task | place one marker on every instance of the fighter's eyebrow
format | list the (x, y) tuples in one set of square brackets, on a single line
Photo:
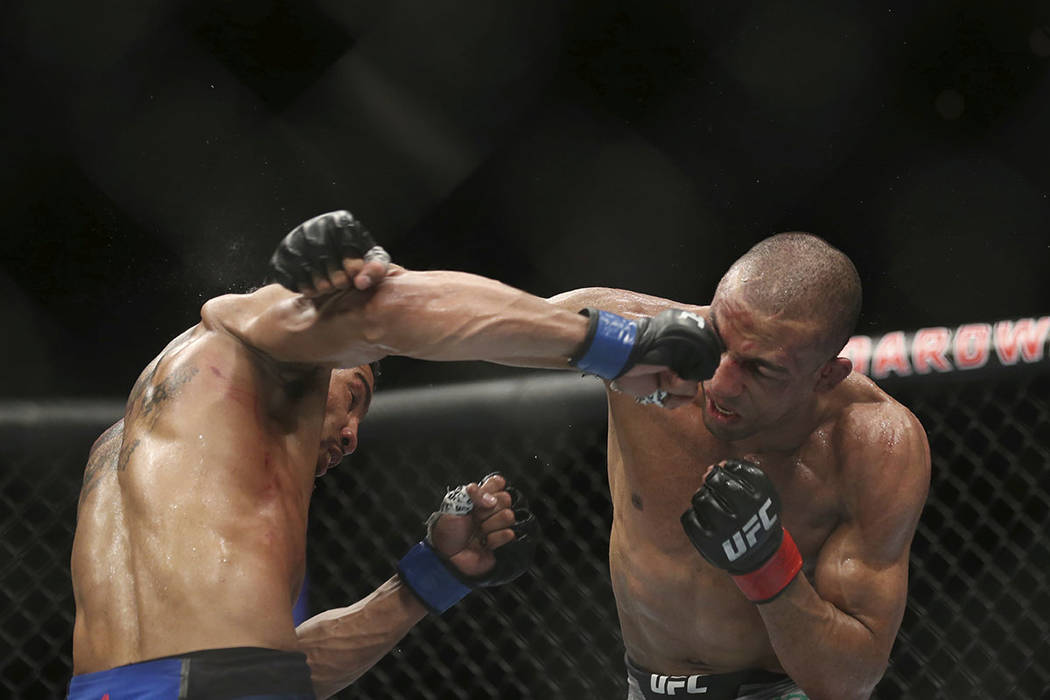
[(771, 366), (368, 392)]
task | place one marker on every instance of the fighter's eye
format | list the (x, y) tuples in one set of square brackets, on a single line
[(760, 371)]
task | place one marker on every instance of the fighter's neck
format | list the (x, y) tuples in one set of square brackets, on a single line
[(788, 436)]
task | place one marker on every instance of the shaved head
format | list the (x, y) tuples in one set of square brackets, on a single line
[(800, 276)]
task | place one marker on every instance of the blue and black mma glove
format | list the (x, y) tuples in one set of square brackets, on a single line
[(318, 246), (437, 582), (680, 340)]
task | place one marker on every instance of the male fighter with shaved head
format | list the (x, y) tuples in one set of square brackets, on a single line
[(811, 481), (191, 530)]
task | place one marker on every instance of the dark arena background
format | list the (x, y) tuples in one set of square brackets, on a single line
[(154, 152)]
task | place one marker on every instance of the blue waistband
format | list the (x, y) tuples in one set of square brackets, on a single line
[(154, 680), (236, 672)]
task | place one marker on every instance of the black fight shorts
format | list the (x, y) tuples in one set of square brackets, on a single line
[(753, 684), (240, 673)]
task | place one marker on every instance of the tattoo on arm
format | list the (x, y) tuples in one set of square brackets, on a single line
[(104, 455), (111, 453), (125, 455), (147, 394), (147, 400)]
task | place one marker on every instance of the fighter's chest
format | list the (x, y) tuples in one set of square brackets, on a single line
[(653, 483)]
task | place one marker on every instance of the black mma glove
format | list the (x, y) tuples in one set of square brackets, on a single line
[(680, 340), (734, 522), (438, 583), (315, 247)]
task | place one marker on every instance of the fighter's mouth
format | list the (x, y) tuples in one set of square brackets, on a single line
[(719, 410)]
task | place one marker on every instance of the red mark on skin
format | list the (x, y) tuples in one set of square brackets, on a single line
[(244, 397)]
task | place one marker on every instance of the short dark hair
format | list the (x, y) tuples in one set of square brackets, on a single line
[(804, 276)]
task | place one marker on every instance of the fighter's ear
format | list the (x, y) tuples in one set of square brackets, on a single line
[(833, 372)]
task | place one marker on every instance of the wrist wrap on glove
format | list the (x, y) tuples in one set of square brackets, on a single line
[(734, 522), (430, 578), (767, 581), (607, 347), (680, 340)]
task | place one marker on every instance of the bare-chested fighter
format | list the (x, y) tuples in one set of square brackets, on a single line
[(191, 531), (815, 469)]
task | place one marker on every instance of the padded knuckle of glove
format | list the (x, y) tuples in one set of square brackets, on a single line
[(681, 340), (317, 246)]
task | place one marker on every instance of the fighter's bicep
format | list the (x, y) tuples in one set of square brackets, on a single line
[(853, 575), (863, 566)]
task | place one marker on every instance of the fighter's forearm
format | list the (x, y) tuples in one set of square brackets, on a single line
[(343, 643), (829, 653), (445, 315), (427, 315)]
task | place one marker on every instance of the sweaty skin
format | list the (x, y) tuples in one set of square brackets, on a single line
[(850, 464), (192, 519)]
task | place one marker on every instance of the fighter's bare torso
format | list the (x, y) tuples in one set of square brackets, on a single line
[(680, 615), (187, 539)]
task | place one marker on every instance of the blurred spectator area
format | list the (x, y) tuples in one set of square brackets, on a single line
[(153, 152)]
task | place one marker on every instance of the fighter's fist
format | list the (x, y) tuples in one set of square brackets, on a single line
[(682, 340), (734, 522), (679, 340), (328, 252), (493, 543), (482, 535)]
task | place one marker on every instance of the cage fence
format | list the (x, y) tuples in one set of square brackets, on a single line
[(976, 624)]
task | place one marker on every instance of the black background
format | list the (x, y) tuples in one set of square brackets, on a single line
[(154, 152)]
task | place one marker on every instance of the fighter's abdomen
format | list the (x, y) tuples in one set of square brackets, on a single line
[(679, 615)]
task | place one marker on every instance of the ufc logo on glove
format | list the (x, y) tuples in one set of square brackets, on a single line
[(735, 546), (732, 531)]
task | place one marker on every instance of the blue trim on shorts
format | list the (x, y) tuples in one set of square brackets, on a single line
[(245, 673), (148, 680)]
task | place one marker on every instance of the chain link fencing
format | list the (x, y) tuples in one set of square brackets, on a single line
[(976, 625)]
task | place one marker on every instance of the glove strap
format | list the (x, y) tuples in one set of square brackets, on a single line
[(609, 342), (423, 571), (767, 581)]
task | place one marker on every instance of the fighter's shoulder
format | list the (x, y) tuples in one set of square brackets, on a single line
[(869, 423), (621, 301), (882, 451), (110, 435)]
